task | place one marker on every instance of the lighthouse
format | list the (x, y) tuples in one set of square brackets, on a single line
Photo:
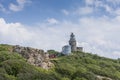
[(72, 42)]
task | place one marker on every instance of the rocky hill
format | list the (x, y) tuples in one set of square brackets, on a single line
[(25, 63), (34, 56)]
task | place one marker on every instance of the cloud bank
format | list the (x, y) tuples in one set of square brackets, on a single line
[(96, 36), (96, 26)]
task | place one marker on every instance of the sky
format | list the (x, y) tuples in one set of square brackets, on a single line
[(47, 24)]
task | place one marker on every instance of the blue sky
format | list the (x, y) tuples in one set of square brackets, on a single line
[(37, 10), (47, 24)]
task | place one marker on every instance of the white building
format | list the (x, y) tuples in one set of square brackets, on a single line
[(66, 50)]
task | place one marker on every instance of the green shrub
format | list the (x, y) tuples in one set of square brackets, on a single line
[(77, 78), (5, 47), (6, 55), (12, 67), (7, 77)]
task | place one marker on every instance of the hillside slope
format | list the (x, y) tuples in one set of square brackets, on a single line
[(86, 66), (78, 66), (14, 66)]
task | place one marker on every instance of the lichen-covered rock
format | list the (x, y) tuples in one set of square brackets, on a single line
[(35, 57)]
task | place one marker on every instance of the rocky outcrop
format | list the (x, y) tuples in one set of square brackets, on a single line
[(103, 78), (35, 57)]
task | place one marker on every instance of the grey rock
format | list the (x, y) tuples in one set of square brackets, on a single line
[(34, 56)]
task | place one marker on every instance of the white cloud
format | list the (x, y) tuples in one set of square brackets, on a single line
[(110, 6), (102, 34), (19, 6), (117, 12), (52, 21), (114, 1), (89, 2), (95, 35), (65, 12), (2, 8), (116, 53), (14, 7), (84, 10), (14, 32)]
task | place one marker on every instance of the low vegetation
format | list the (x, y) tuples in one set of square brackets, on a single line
[(86, 66), (78, 66)]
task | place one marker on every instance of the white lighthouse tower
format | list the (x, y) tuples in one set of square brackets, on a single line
[(72, 42)]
